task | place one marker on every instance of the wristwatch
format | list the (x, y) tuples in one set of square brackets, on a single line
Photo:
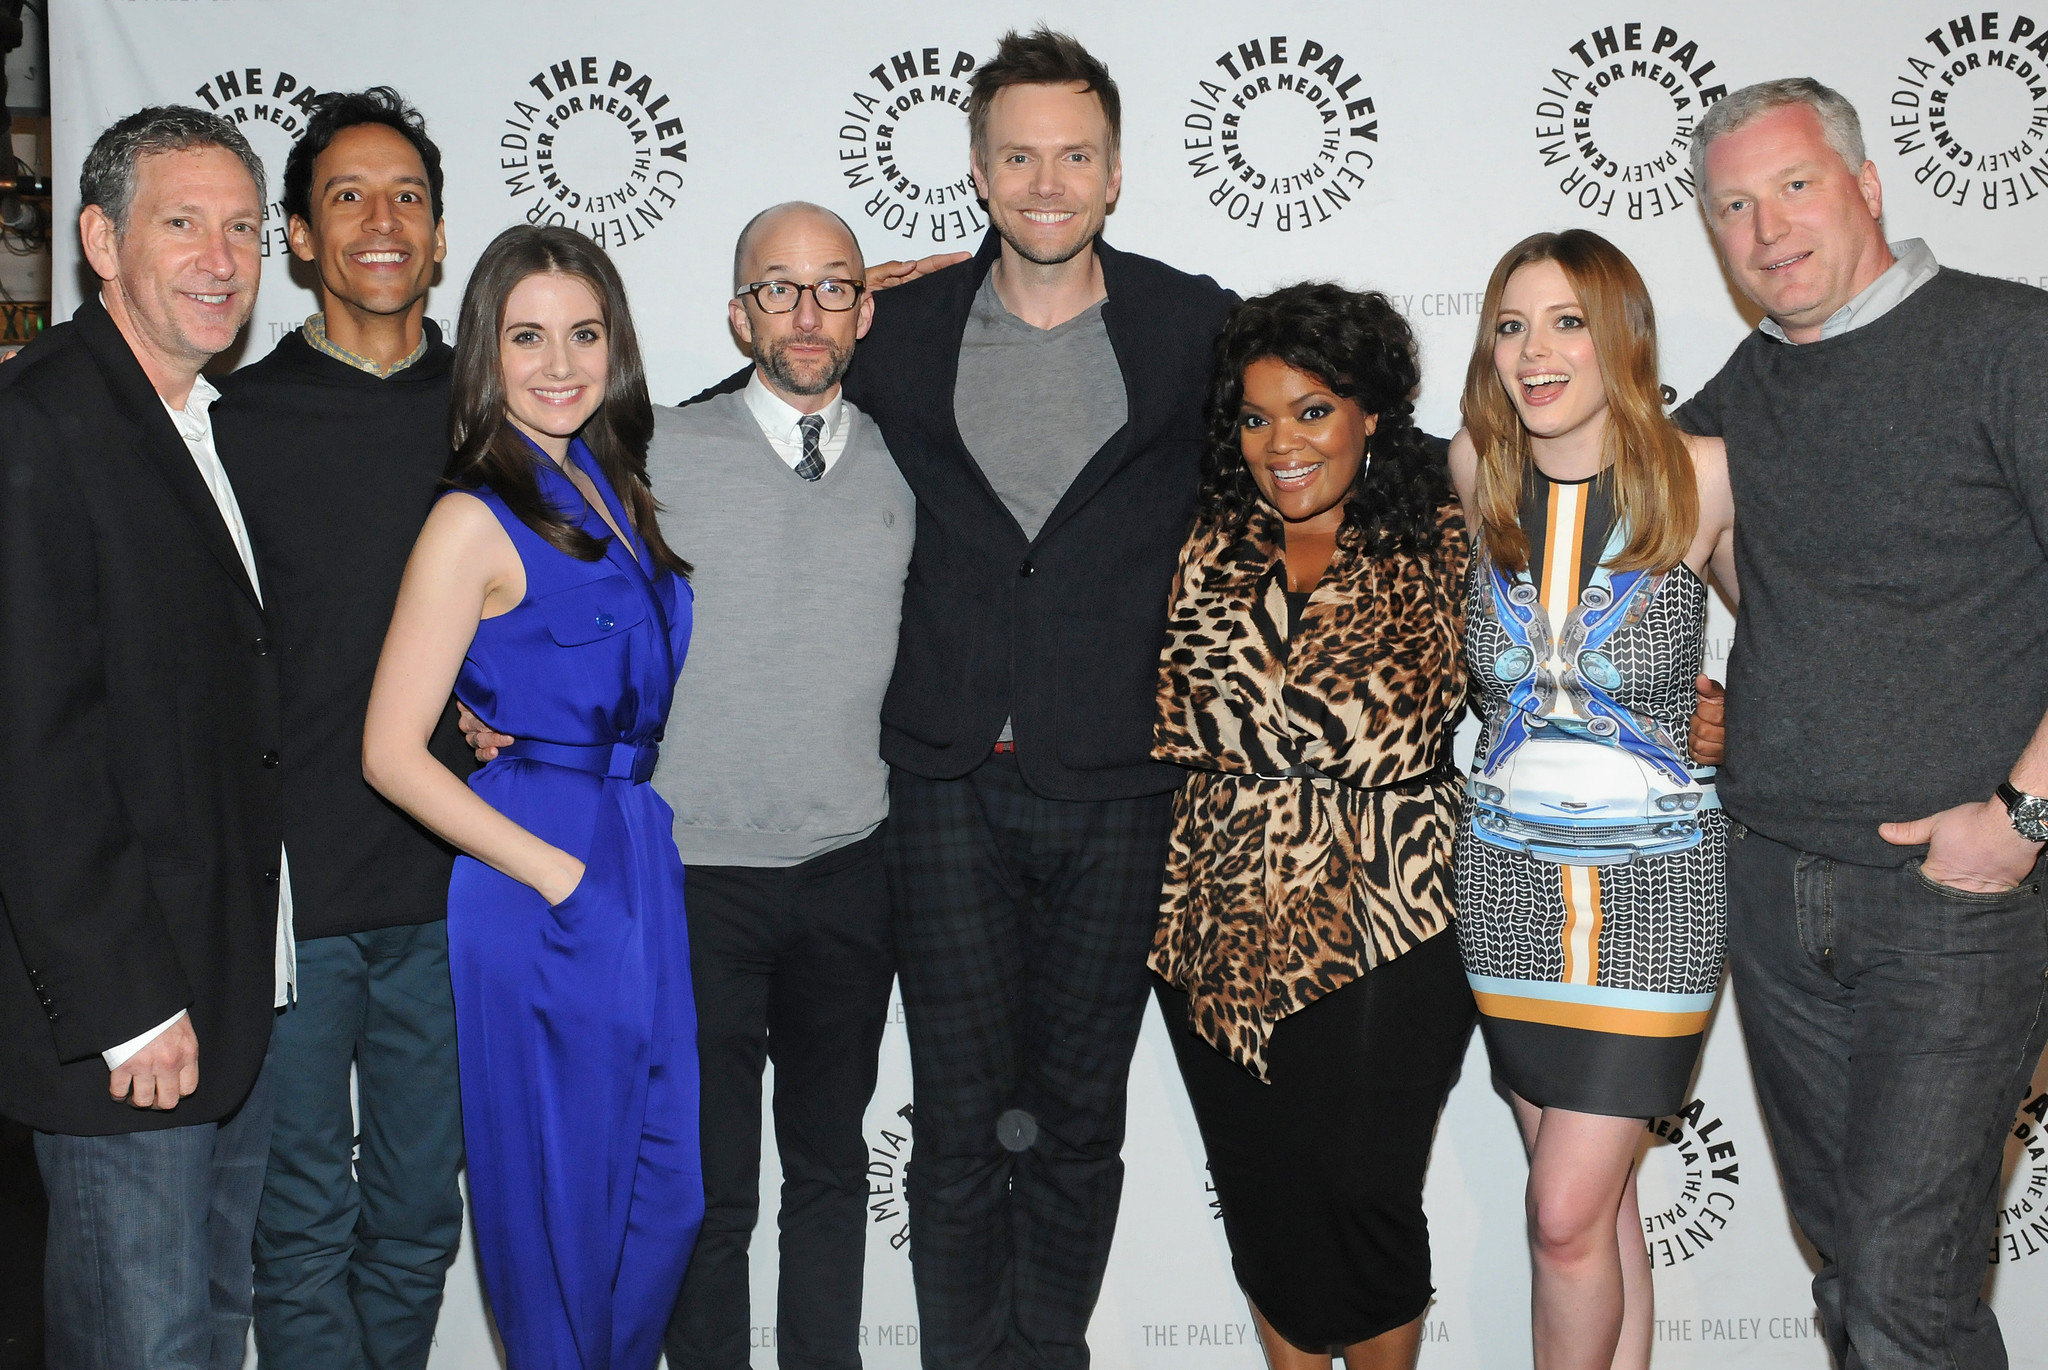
[(2029, 812)]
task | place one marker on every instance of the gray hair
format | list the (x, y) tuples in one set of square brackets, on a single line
[(740, 245), (108, 177), (1838, 121)]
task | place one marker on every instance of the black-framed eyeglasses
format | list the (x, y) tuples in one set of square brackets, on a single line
[(833, 294)]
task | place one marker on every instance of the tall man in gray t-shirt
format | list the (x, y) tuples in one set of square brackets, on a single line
[(1044, 402), (1887, 431)]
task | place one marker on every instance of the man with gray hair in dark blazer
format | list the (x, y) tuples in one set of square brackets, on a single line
[(141, 824)]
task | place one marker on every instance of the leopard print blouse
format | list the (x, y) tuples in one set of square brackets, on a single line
[(1282, 889)]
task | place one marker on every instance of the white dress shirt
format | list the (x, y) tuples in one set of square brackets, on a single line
[(195, 426), (778, 419), (1913, 267)]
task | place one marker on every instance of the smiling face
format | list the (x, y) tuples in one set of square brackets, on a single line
[(1047, 169), (554, 350), (1544, 355), (801, 354), (1801, 232), (181, 278), (1302, 442), (373, 237)]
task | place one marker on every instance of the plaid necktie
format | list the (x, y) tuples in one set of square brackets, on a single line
[(813, 464)]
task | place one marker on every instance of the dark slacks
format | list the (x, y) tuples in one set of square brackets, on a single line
[(1022, 925), (148, 1265), (1893, 1026), (791, 964), (355, 1234)]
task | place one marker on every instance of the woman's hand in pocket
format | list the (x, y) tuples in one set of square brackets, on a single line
[(562, 882)]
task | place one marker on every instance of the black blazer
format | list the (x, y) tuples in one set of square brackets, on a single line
[(1061, 632), (140, 804)]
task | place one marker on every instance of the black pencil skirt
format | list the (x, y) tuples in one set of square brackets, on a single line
[(1319, 1173)]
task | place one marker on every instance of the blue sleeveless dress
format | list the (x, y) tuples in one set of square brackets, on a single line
[(576, 1029)]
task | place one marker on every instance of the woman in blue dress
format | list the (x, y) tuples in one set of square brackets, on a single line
[(542, 594)]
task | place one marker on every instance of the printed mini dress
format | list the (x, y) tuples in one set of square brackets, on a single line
[(1592, 859)]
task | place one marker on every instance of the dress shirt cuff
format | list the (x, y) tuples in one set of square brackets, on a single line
[(118, 1057)]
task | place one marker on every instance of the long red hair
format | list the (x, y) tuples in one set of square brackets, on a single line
[(1646, 462)]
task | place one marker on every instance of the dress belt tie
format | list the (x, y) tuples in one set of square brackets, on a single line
[(615, 760)]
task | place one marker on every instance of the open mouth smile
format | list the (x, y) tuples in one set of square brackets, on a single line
[(1543, 386), (1295, 477)]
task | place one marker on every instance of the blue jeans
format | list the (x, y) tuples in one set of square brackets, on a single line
[(350, 1257), (147, 1266), (1893, 1025)]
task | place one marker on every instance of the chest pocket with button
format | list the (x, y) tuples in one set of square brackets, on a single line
[(595, 611)]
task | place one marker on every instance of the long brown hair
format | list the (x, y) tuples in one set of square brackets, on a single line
[(488, 450), (1645, 460)]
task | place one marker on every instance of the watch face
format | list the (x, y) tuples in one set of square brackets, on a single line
[(2030, 818)]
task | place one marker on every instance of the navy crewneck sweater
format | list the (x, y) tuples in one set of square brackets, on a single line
[(335, 470)]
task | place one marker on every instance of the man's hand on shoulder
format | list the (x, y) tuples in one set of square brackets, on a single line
[(478, 734), (161, 1073), (1970, 847), (1709, 733), (882, 275)]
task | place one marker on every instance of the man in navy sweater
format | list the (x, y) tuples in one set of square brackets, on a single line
[(1887, 430), (337, 441)]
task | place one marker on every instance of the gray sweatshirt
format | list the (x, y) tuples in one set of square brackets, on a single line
[(773, 749)]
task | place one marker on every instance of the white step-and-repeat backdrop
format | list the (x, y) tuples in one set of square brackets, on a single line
[(1402, 147)]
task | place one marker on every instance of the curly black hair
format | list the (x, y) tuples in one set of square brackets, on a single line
[(1358, 345)]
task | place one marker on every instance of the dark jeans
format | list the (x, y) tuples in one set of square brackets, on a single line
[(1893, 1026), (1022, 926), (791, 964), (147, 1266), (350, 1257)]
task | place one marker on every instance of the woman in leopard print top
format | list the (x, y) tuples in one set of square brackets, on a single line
[(1311, 682)]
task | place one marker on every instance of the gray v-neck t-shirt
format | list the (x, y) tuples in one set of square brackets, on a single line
[(1034, 404)]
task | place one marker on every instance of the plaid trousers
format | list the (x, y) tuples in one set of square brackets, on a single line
[(1022, 927)]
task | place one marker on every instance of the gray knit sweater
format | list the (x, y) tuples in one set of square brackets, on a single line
[(1891, 539), (773, 750)]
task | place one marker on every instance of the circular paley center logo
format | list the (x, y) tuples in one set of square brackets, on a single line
[(902, 148), (1616, 114), (2023, 1207), (1969, 113), (594, 145), (270, 107), (1688, 1184), (1283, 137), (888, 1160)]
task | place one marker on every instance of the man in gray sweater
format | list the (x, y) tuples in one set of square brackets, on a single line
[(785, 500), (1887, 431)]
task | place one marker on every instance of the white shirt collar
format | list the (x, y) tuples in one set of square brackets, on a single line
[(194, 423), (1915, 266), (778, 417)]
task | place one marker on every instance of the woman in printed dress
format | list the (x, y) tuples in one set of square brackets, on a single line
[(1591, 888)]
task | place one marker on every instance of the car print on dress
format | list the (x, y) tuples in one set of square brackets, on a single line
[(1570, 774)]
